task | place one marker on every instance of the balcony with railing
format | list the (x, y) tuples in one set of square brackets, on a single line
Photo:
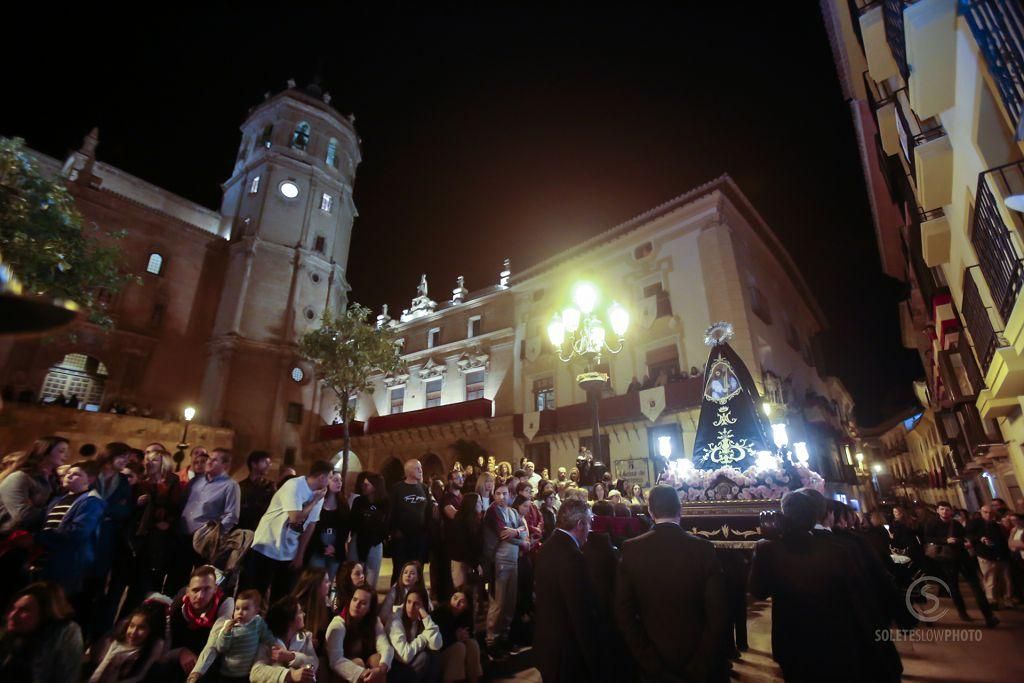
[(927, 152), (998, 28), (995, 235), (978, 318), (892, 13)]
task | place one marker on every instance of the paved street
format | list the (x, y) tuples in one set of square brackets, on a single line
[(981, 661)]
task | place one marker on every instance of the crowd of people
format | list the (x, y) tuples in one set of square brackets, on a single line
[(118, 567)]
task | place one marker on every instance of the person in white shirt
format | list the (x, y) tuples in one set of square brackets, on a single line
[(284, 532), (532, 476)]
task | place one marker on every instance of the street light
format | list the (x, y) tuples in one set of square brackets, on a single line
[(579, 332), (179, 456)]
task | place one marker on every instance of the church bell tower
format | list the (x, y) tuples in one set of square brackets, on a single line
[(288, 212)]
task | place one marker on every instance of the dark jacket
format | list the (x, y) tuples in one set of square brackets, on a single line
[(566, 643), (999, 550), (369, 522), (254, 500), (936, 531), (670, 605), (114, 531), (821, 621), (465, 540)]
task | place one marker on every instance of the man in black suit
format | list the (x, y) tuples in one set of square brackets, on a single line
[(823, 622), (566, 640), (670, 599)]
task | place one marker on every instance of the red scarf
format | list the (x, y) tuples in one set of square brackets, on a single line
[(205, 619)]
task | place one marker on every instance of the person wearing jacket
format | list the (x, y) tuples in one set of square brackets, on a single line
[(292, 657), (358, 648), (416, 639), (71, 530), (40, 641)]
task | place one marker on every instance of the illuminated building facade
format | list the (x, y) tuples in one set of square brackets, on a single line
[(483, 375), (936, 94), (222, 297)]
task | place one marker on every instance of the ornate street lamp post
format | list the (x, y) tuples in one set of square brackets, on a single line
[(579, 332)]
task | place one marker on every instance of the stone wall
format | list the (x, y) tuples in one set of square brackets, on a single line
[(20, 425)]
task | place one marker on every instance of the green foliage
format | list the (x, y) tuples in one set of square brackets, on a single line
[(346, 351), (43, 240)]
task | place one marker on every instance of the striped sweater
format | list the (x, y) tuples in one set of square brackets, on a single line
[(237, 648)]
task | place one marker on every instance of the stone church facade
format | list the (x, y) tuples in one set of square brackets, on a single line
[(223, 296)]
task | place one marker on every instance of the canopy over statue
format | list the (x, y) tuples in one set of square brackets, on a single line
[(730, 430)]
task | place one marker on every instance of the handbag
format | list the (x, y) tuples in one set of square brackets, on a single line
[(940, 552)]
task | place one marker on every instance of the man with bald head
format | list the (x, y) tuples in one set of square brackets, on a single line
[(409, 518)]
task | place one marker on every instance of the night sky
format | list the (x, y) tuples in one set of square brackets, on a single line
[(508, 132)]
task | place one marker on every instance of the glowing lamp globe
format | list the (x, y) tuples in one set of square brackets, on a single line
[(190, 413), (802, 456), (571, 318), (779, 434), (556, 331), (619, 318), (665, 446), (585, 297)]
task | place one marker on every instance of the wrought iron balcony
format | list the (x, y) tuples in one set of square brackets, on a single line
[(878, 94), (998, 28), (993, 240), (979, 322), (895, 35)]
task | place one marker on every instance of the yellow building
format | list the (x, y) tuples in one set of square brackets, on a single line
[(936, 91), (482, 374)]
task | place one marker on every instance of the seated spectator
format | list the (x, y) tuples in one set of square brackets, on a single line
[(358, 649), (40, 642), (193, 615), (416, 639), (599, 492), (410, 577), (313, 594), (351, 575), (292, 656), (460, 654), (137, 645), (236, 642), (71, 530)]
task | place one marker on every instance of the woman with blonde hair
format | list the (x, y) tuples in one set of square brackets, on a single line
[(485, 489)]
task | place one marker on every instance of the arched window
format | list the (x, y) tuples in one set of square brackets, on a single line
[(155, 264), (300, 138), (268, 132), (332, 153)]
